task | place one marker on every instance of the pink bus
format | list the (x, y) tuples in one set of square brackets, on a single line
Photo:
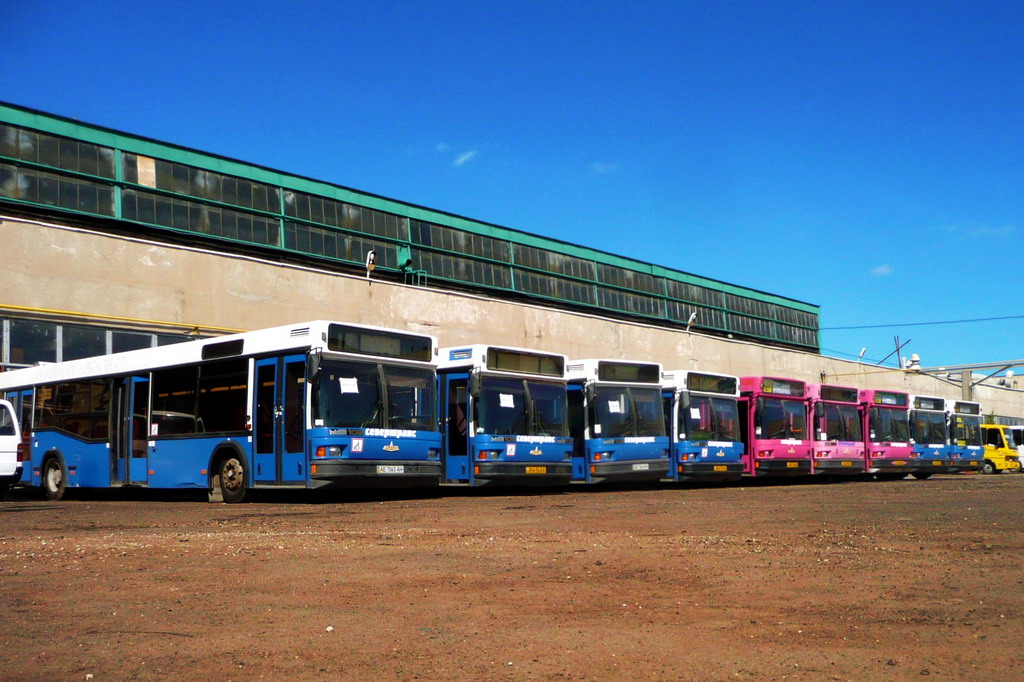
[(773, 418), (836, 428), (890, 454)]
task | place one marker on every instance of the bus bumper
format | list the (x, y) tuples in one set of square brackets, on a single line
[(962, 467), (374, 474), (709, 471), (628, 470), (838, 467), (782, 467), (934, 466), (892, 466), (509, 473)]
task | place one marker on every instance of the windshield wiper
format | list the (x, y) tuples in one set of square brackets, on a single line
[(369, 417)]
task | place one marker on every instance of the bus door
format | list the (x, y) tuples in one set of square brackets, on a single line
[(455, 399), (25, 400), (129, 438), (279, 425)]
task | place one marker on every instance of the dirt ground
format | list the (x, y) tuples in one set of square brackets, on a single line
[(856, 580)]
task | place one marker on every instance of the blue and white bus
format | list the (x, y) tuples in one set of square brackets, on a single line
[(966, 444), (616, 421), (504, 416), (703, 422), (929, 432), (310, 405)]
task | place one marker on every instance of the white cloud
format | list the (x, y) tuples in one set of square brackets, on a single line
[(1004, 231), (602, 168), (464, 158), (441, 147), (882, 270)]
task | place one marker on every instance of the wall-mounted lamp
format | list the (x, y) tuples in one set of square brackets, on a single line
[(371, 263)]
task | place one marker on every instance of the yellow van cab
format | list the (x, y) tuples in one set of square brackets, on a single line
[(1000, 449)]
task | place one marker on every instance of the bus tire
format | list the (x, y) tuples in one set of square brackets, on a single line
[(922, 475), (988, 468), (55, 478), (231, 477)]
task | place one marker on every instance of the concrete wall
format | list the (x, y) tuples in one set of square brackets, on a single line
[(59, 268)]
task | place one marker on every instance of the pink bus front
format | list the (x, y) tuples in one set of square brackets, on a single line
[(889, 452), (836, 427), (773, 414)]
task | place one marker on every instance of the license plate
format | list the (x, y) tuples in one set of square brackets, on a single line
[(845, 463), (938, 464), (792, 465), (642, 466), (898, 463), (390, 468), (536, 470), (721, 467)]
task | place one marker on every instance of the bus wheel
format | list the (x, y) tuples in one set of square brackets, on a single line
[(54, 479), (232, 479), (922, 475), (988, 467)]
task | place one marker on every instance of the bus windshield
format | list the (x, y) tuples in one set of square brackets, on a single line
[(710, 418), (517, 407), (842, 423), (888, 425), (362, 394), (967, 430), (929, 428), (618, 412), (779, 419)]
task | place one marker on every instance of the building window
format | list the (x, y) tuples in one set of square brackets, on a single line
[(32, 342), (82, 342)]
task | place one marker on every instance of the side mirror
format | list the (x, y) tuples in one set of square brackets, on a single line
[(313, 366), (474, 384)]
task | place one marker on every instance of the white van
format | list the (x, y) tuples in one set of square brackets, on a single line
[(1018, 438), (10, 439)]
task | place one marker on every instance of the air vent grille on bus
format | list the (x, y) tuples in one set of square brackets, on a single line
[(301, 331), (575, 368)]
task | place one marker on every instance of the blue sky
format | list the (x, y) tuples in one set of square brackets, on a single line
[(863, 156)]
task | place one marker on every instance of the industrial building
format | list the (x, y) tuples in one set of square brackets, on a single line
[(112, 241)]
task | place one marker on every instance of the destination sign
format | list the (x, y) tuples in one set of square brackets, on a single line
[(634, 372)]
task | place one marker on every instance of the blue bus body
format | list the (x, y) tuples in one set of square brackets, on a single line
[(966, 448), (504, 417), (313, 406), (616, 421), (929, 431), (703, 424)]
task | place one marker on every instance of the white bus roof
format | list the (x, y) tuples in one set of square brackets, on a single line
[(475, 356), (676, 379), (588, 370), (937, 400), (951, 405), (299, 336)]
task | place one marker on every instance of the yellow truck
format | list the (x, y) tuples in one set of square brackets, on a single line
[(1000, 449)]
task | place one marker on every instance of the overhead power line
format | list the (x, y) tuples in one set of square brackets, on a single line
[(922, 324)]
